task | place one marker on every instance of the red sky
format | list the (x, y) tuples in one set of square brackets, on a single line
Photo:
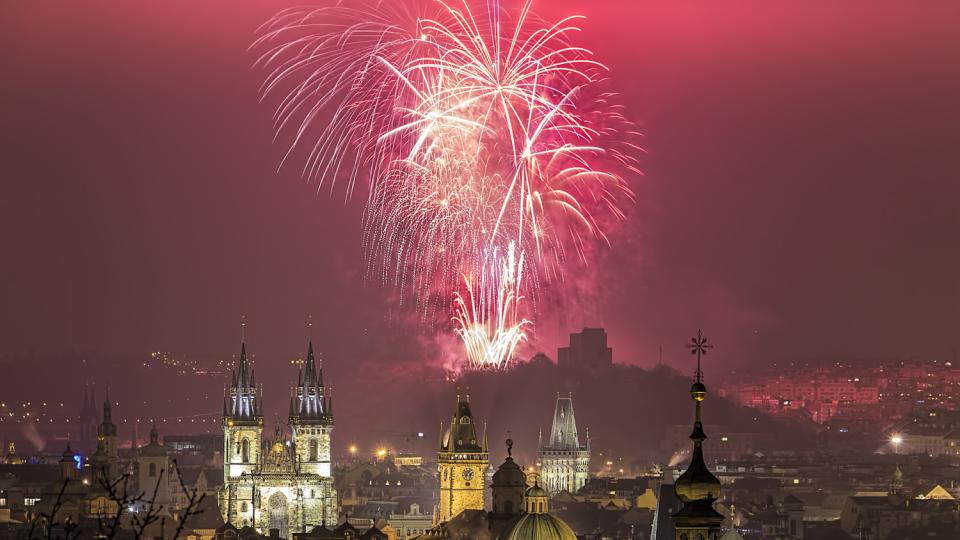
[(800, 197)]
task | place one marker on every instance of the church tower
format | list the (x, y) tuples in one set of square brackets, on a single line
[(242, 422), (563, 463), (311, 419), (697, 488), (507, 492), (153, 474), (462, 461), (104, 459)]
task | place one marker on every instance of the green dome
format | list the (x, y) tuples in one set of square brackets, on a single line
[(536, 491), (538, 527)]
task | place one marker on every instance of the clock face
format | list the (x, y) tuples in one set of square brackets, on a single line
[(468, 474)]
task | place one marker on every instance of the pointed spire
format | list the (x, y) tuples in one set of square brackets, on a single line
[(106, 407), (311, 366), (697, 484), (243, 400)]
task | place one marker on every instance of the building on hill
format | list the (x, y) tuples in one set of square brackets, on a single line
[(587, 350), (563, 463), (462, 461), (277, 483)]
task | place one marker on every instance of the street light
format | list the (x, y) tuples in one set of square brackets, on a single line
[(896, 440)]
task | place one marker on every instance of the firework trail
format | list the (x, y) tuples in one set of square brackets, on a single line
[(481, 135), (487, 317)]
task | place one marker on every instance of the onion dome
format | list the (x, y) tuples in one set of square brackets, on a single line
[(697, 483)]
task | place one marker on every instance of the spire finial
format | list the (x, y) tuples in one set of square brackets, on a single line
[(699, 347), (243, 328), (310, 327)]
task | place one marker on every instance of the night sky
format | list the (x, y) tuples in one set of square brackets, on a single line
[(800, 197)]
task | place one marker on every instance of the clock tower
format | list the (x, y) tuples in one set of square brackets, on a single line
[(463, 460)]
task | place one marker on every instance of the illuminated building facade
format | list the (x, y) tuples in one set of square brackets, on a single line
[(563, 463), (462, 460), (281, 483)]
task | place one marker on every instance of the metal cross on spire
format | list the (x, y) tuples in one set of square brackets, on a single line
[(310, 327), (243, 329), (699, 347)]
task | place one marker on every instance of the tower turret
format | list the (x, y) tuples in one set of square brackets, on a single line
[(563, 462), (242, 421), (311, 421)]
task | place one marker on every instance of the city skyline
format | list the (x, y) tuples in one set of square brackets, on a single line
[(479, 269)]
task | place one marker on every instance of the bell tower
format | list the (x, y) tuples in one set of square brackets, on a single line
[(311, 419), (462, 460), (242, 422)]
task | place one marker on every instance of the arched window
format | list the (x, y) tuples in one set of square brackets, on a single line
[(313, 450), (153, 470), (243, 507), (245, 451)]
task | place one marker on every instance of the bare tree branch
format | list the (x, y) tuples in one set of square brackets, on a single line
[(193, 503)]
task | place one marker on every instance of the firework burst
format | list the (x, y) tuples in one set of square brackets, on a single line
[(480, 134)]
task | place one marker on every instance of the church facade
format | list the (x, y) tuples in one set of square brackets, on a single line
[(563, 463), (278, 482)]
